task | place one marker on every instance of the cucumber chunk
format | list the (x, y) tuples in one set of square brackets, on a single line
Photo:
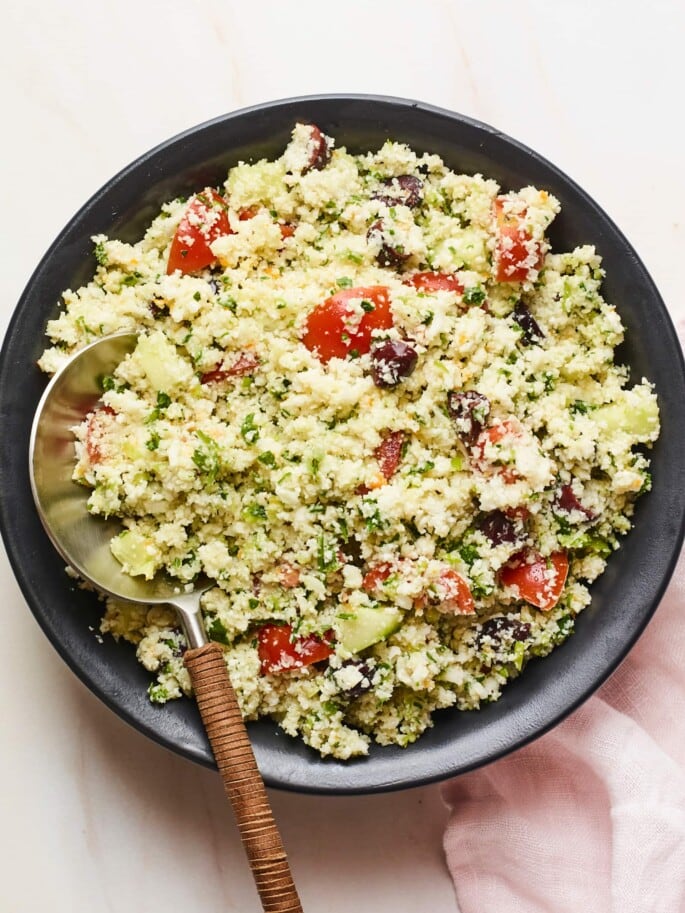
[(367, 626), (258, 183), (636, 414), (136, 553), (161, 363)]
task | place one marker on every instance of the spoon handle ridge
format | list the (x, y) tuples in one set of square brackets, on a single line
[(242, 781)]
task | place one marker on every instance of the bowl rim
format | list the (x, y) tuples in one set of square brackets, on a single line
[(22, 569)]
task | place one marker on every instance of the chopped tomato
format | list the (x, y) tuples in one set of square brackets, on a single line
[(289, 575), (507, 432), (336, 328), (205, 220), (518, 513), (435, 282), (244, 364), (278, 652), (389, 452), (248, 212), (375, 576), (516, 253), (540, 581), (94, 431), (453, 593)]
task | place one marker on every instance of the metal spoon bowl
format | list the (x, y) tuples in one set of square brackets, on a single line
[(84, 542), (81, 539)]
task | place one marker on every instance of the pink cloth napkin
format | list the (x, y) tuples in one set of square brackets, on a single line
[(591, 817)]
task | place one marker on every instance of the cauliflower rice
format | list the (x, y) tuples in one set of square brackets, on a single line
[(371, 404)]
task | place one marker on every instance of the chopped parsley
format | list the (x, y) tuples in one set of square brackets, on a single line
[(101, 254), (474, 295), (248, 430), (163, 403), (207, 458), (267, 458)]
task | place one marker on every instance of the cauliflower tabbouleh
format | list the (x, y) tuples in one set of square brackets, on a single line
[(371, 404)]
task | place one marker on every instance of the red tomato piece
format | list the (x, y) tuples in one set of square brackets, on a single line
[(335, 328), (389, 453), (506, 431), (375, 576), (245, 363), (205, 220), (94, 432), (453, 593), (289, 575), (435, 282), (518, 513), (516, 253), (540, 581), (278, 652), (247, 212)]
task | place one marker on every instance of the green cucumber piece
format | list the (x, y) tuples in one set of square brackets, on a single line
[(636, 414), (161, 363), (136, 553), (367, 626)]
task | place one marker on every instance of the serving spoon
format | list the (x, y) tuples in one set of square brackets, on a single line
[(84, 542)]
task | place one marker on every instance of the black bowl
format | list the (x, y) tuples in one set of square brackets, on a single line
[(623, 599)]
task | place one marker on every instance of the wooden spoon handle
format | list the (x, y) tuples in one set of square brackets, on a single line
[(242, 780)]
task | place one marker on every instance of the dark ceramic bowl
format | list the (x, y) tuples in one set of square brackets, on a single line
[(623, 599)]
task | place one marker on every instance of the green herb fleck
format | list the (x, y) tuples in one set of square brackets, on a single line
[(248, 430), (158, 694), (468, 554), (207, 458), (254, 511), (327, 555), (353, 257), (578, 407), (267, 458), (422, 468), (216, 630), (374, 521), (101, 254), (163, 402), (474, 295)]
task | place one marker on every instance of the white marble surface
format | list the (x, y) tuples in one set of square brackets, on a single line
[(95, 817)]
